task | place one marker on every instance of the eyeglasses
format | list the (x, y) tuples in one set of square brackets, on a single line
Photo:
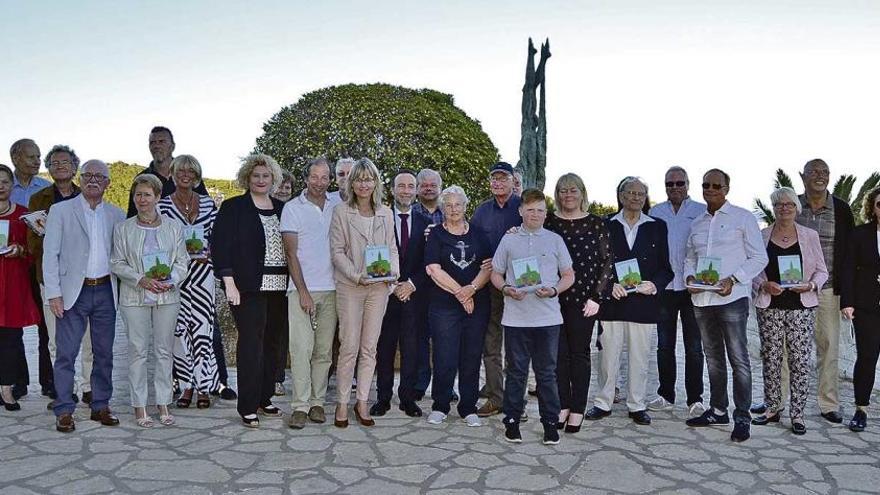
[(634, 194), (678, 183), (93, 177), (783, 206), (62, 162), (500, 180), (716, 187), (818, 173), (364, 180)]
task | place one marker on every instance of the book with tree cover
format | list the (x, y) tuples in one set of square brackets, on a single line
[(708, 274), (377, 262), (196, 244), (36, 221), (4, 237), (526, 274), (791, 272), (628, 274), (157, 266)]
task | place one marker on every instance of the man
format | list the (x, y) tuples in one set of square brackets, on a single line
[(62, 163), (532, 318), (678, 211), (82, 291), (25, 156), (305, 228), (429, 185), (730, 235), (343, 167), (404, 315), (496, 216), (162, 149)]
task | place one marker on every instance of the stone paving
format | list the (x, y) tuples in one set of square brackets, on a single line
[(208, 451)]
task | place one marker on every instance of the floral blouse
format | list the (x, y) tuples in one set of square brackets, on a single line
[(589, 244)]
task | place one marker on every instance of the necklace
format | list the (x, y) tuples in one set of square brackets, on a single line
[(785, 237), (8, 208), (187, 205), (148, 223)]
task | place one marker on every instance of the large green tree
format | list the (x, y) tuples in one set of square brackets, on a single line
[(395, 127)]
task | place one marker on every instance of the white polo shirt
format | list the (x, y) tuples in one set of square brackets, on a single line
[(312, 228)]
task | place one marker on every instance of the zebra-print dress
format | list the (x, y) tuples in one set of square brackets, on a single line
[(195, 365)]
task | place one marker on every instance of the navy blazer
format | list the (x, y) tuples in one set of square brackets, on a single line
[(651, 249), (859, 284), (412, 262)]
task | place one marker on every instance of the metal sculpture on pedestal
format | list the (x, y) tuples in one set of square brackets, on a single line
[(533, 142)]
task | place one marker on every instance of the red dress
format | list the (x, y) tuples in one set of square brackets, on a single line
[(17, 307)]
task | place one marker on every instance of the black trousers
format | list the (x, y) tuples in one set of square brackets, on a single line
[(573, 367), (11, 354), (399, 327), (260, 318), (867, 330), (46, 379), (220, 353)]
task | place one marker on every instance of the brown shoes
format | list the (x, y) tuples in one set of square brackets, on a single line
[(317, 415), (364, 421), (64, 423), (105, 417), (489, 408)]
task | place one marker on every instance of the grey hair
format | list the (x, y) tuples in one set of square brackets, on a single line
[(676, 168), (427, 173), (457, 190), (62, 148), (95, 162), (150, 180), (786, 193), (630, 180), (18, 146), (344, 161)]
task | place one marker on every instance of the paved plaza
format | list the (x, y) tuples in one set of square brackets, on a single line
[(209, 451)]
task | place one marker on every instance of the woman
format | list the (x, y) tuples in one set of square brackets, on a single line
[(588, 241), (17, 308), (283, 193), (640, 243), (149, 257), (787, 315), (195, 365), (860, 300), (360, 222), (457, 260), (249, 258)]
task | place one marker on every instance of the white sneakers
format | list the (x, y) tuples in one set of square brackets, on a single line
[(659, 404), (473, 420), (696, 409), (436, 417)]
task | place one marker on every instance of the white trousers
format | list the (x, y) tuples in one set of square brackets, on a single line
[(143, 323), (638, 341)]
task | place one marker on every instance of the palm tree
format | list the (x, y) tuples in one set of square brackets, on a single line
[(766, 212), (843, 188)]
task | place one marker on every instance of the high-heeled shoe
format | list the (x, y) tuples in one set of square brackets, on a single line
[(563, 419), (339, 423), (9, 404), (363, 421), (571, 427)]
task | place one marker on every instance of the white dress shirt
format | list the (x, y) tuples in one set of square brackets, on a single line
[(99, 257), (678, 224), (312, 228), (733, 236), (631, 232)]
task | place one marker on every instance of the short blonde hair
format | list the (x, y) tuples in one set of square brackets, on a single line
[(572, 180), (786, 193), (186, 162), (362, 167), (150, 180), (248, 163)]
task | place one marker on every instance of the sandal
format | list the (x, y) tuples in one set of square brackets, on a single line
[(166, 419), (185, 399), (145, 422), (203, 401)]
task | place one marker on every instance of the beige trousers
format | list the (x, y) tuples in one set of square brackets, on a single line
[(311, 348), (637, 337), (143, 323), (360, 310), (85, 350)]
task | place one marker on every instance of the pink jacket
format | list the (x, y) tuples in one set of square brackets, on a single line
[(813, 265)]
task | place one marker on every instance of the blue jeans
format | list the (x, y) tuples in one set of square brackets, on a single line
[(540, 346), (723, 329), (458, 347), (94, 307), (673, 303)]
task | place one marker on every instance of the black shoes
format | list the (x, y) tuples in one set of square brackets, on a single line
[(859, 421), (764, 419), (19, 391), (411, 409), (49, 392), (798, 427), (640, 417), (511, 431), (380, 408), (227, 393), (740, 432), (596, 413), (709, 418), (759, 408), (833, 417), (551, 434)]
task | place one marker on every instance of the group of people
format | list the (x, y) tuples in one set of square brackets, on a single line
[(510, 285)]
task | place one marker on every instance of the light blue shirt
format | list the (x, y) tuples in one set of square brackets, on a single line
[(678, 224), (22, 195)]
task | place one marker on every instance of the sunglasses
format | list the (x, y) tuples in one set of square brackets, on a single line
[(678, 183), (716, 187)]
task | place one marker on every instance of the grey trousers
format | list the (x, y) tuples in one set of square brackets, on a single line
[(143, 323)]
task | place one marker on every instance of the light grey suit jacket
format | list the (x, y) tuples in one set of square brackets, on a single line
[(64, 268)]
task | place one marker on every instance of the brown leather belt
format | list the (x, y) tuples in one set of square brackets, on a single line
[(97, 281)]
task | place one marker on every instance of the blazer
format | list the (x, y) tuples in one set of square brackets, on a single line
[(238, 242), (813, 265), (861, 267), (127, 260), (64, 270), (348, 241), (651, 249), (412, 262), (843, 229), (42, 200)]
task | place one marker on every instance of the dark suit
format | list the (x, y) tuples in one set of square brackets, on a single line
[(402, 321), (860, 289)]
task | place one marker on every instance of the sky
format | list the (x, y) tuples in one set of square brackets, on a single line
[(633, 86)]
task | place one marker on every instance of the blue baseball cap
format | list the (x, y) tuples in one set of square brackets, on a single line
[(502, 167)]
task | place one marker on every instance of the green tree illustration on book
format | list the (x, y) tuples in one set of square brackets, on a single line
[(709, 276), (3, 241), (631, 279), (194, 245), (529, 277), (159, 271), (379, 268), (792, 275)]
